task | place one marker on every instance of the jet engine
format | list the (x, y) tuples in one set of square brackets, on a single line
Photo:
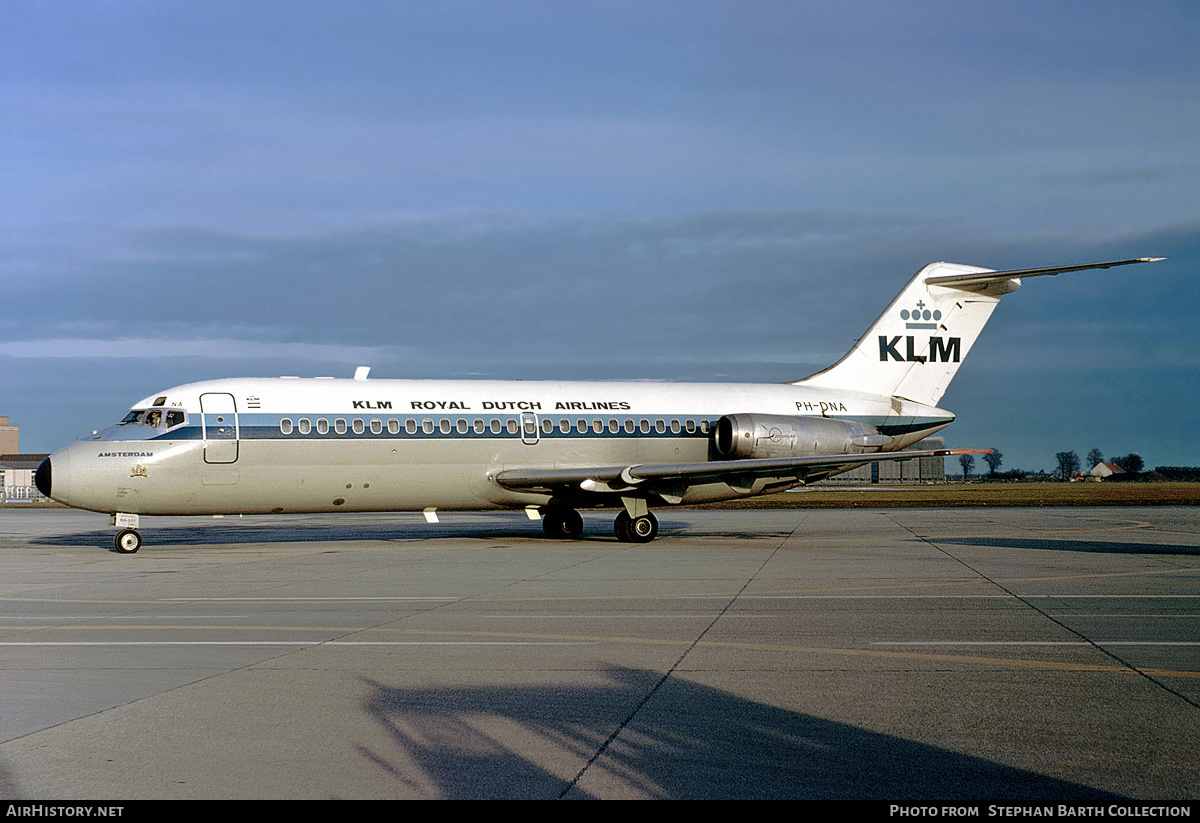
[(770, 435)]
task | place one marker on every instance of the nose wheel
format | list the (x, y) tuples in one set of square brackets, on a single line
[(127, 541)]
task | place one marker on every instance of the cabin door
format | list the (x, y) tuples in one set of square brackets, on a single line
[(219, 421)]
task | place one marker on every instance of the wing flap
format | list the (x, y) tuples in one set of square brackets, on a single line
[(673, 478)]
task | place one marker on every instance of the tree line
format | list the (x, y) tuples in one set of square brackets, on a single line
[(1069, 465)]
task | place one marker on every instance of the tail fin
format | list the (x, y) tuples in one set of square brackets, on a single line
[(916, 346)]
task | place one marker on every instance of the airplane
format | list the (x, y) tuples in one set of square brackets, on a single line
[(293, 445)]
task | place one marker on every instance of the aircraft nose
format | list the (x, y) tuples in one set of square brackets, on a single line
[(41, 477)]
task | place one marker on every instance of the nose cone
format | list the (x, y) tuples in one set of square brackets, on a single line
[(41, 478), (53, 476)]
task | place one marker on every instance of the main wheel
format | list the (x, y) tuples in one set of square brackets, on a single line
[(621, 526), (635, 529), (643, 529), (562, 524), (127, 541)]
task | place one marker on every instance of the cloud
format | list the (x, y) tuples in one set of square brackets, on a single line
[(141, 349)]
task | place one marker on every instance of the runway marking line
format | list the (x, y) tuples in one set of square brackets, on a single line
[(514, 638)]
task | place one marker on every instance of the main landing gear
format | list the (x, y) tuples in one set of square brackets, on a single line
[(641, 529), (560, 523)]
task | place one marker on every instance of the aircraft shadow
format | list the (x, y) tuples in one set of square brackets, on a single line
[(234, 532), (1055, 545), (687, 741)]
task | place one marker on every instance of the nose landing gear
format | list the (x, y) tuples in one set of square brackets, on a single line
[(127, 541)]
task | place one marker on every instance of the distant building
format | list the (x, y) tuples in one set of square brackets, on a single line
[(17, 471), (1103, 470), (922, 470), (9, 437)]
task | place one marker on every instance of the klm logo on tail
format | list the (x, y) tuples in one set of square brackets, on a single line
[(940, 351)]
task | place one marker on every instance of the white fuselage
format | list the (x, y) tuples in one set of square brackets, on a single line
[(324, 444)]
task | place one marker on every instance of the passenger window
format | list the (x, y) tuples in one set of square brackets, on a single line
[(410, 426), (427, 426), (598, 426), (376, 426), (547, 425), (613, 425), (628, 426), (512, 426), (358, 426), (285, 426), (644, 426), (461, 426), (674, 427), (339, 426), (393, 426), (304, 426), (322, 426), (660, 427), (444, 426), (689, 426), (581, 426), (495, 426), (479, 427)]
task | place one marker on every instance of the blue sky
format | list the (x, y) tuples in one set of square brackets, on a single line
[(605, 190)]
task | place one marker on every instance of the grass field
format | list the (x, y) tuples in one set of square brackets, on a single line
[(979, 494)]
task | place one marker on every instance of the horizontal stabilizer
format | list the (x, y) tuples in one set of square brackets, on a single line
[(983, 278)]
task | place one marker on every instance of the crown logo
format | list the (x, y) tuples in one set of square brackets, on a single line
[(920, 317)]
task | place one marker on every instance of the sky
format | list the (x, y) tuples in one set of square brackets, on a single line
[(650, 190)]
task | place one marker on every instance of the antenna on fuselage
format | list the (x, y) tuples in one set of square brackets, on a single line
[(361, 372)]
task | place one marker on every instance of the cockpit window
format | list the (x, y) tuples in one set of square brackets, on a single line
[(156, 418)]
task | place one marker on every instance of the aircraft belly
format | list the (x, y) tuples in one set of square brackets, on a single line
[(400, 475)]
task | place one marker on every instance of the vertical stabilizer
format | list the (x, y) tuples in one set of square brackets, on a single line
[(915, 347)]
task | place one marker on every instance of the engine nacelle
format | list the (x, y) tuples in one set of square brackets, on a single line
[(771, 435)]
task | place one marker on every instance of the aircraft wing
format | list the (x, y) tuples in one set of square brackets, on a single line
[(670, 480)]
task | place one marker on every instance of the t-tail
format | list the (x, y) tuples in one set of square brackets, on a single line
[(913, 350)]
